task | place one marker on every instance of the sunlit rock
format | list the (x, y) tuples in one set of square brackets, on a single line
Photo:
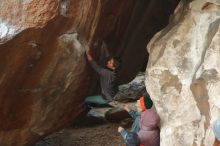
[(183, 74)]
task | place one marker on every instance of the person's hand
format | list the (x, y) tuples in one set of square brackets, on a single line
[(126, 107), (89, 57), (87, 47), (120, 129)]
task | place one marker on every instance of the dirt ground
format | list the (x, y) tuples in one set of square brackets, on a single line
[(98, 135), (88, 131)]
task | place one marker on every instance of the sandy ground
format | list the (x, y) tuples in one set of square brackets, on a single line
[(98, 135), (89, 131)]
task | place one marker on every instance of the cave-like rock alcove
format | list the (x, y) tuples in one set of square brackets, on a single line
[(44, 75)]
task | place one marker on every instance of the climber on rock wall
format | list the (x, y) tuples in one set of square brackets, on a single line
[(108, 79)]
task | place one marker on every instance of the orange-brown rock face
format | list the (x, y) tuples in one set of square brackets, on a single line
[(43, 71)]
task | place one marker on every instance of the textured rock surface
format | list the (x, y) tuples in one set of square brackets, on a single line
[(183, 74), (43, 72)]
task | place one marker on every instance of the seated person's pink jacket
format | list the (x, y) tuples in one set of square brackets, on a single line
[(149, 133)]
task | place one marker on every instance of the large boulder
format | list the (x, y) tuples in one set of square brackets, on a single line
[(43, 71), (183, 74)]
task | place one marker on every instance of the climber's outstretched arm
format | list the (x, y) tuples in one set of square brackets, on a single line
[(92, 63)]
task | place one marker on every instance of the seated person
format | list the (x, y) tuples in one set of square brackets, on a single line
[(142, 104), (146, 126)]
